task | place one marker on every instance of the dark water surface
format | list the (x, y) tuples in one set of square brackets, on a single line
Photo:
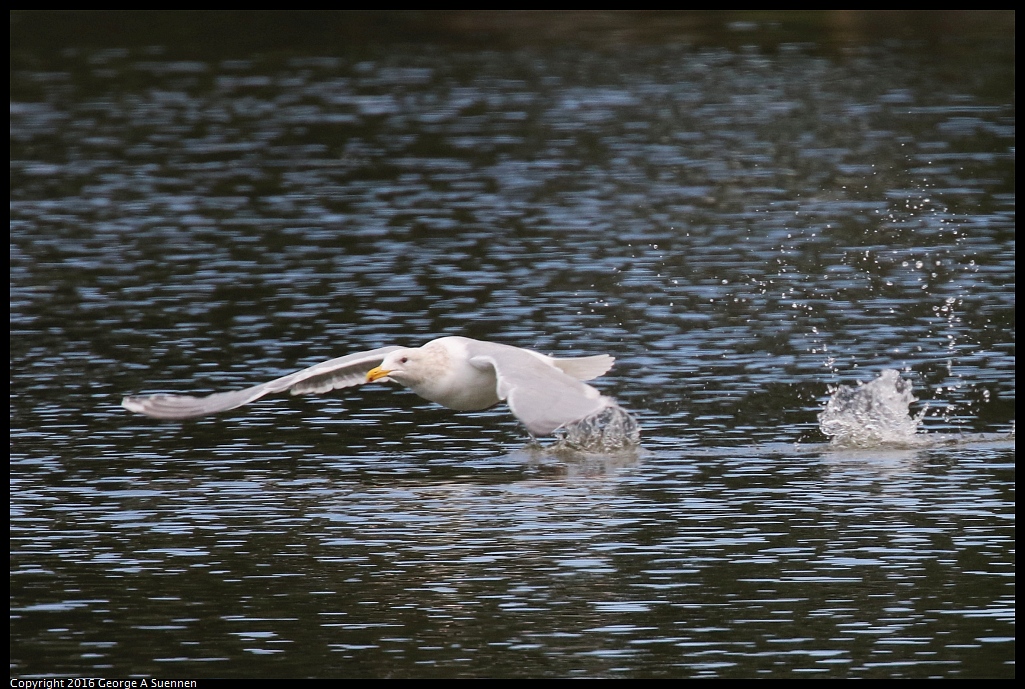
[(742, 217)]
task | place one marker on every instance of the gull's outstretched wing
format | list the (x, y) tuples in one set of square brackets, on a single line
[(540, 394), (343, 372)]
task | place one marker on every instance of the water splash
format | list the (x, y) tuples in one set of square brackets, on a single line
[(872, 414), (612, 429)]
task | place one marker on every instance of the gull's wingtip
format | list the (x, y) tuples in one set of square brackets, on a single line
[(131, 404)]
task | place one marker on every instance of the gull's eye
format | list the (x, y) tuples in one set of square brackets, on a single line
[(403, 359)]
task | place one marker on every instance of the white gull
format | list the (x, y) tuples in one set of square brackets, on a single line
[(543, 392)]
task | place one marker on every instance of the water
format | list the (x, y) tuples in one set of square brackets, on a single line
[(747, 219), (872, 415), (610, 430)]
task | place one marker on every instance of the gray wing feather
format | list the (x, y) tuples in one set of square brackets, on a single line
[(541, 396), (335, 374)]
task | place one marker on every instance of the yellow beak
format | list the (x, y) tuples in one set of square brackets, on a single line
[(376, 374)]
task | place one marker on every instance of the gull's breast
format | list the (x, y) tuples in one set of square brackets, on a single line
[(463, 388), (456, 383)]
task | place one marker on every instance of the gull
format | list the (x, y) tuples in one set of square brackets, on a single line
[(460, 373)]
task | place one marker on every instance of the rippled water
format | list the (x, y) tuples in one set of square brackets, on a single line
[(743, 224)]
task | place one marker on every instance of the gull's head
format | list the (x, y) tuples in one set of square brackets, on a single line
[(408, 366)]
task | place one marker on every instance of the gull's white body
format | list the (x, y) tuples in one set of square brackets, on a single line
[(543, 392)]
